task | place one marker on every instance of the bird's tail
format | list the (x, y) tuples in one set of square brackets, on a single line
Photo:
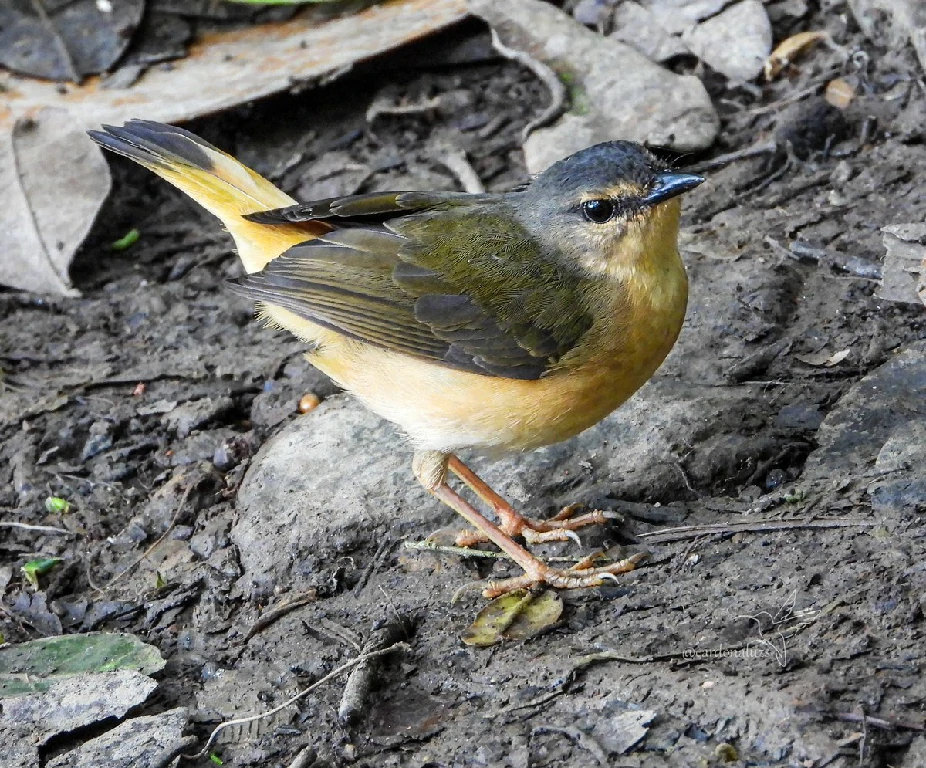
[(216, 181)]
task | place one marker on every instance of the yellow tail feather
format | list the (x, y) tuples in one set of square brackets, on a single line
[(223, 186)]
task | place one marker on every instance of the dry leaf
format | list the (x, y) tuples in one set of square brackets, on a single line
[(66, 41), (789, 50), (53, 180), (515, 616), (824, 358)]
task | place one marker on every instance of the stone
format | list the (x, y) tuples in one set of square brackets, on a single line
[(143, 742), (616, 92), (735, 42)]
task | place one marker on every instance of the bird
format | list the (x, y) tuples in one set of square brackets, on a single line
[(491, 323)]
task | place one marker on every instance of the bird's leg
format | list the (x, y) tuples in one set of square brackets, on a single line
[(430, 468), (560, 527)]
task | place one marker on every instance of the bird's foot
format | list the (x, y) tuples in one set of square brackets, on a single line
[(583, 574), (560, 527)]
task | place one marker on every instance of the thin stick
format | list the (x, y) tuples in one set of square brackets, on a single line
[(546, 75), (456, 161), (293, 699), (469, 552), (279, 611), (143, 555), (762, 148), (461, 551), (36, 528), (683, 532)]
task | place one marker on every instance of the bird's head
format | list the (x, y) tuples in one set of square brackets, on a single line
[(607, 208)]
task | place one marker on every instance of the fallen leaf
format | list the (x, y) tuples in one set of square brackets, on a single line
[(790, 49), (53, 180), (824, 358), (66, 41), (515, 616), (35, 568), (34, 666)]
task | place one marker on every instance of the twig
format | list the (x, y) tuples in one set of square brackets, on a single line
[(683, 532), (279, 611), (455, 161), (876, 722), (143, 555), (304, 759), (37, 528), (797, 96), (762, 148), (449, 550), (293, 699), (361, 679), (798, 251), (546, 75)]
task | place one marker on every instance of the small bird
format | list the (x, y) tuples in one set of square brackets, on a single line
[(496, 322)]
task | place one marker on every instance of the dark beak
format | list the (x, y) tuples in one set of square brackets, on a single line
[(669, 185)]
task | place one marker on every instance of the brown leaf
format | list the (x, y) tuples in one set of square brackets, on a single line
[(790, 49)]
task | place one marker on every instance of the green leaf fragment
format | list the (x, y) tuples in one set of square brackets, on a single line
[(515, 616), (216, 759), (35, 568), (57, 506), (127, 240), (32, 667)]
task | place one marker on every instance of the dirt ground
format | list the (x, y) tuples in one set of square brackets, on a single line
[(791, 417)]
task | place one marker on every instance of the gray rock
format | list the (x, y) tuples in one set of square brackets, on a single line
[(678, 16), (617, 93), (877, 432), (906, 21), (904, 275), (639, 28), (143, 742), (77, 701), (735, 42), (321, 484)]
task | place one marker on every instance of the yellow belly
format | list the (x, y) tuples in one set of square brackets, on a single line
[(446, 410)]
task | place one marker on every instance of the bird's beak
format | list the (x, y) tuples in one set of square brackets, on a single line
[(669, 185)]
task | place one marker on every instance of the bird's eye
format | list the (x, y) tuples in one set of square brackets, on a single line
[(598, 211)]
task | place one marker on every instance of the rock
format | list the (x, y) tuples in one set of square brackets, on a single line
[(735, 42), (142, 742), (904, 276), (78, 701), (321, 484), (617, 93), (678, 16), (639, 28), (877, 431), (916, 754), (624, 730), (905, 21)]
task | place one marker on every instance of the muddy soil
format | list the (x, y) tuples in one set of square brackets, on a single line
[(787, 427)]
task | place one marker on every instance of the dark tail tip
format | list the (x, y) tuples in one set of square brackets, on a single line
[(149, 142)]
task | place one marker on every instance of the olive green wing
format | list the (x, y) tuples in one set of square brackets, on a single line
[(456, 281)]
